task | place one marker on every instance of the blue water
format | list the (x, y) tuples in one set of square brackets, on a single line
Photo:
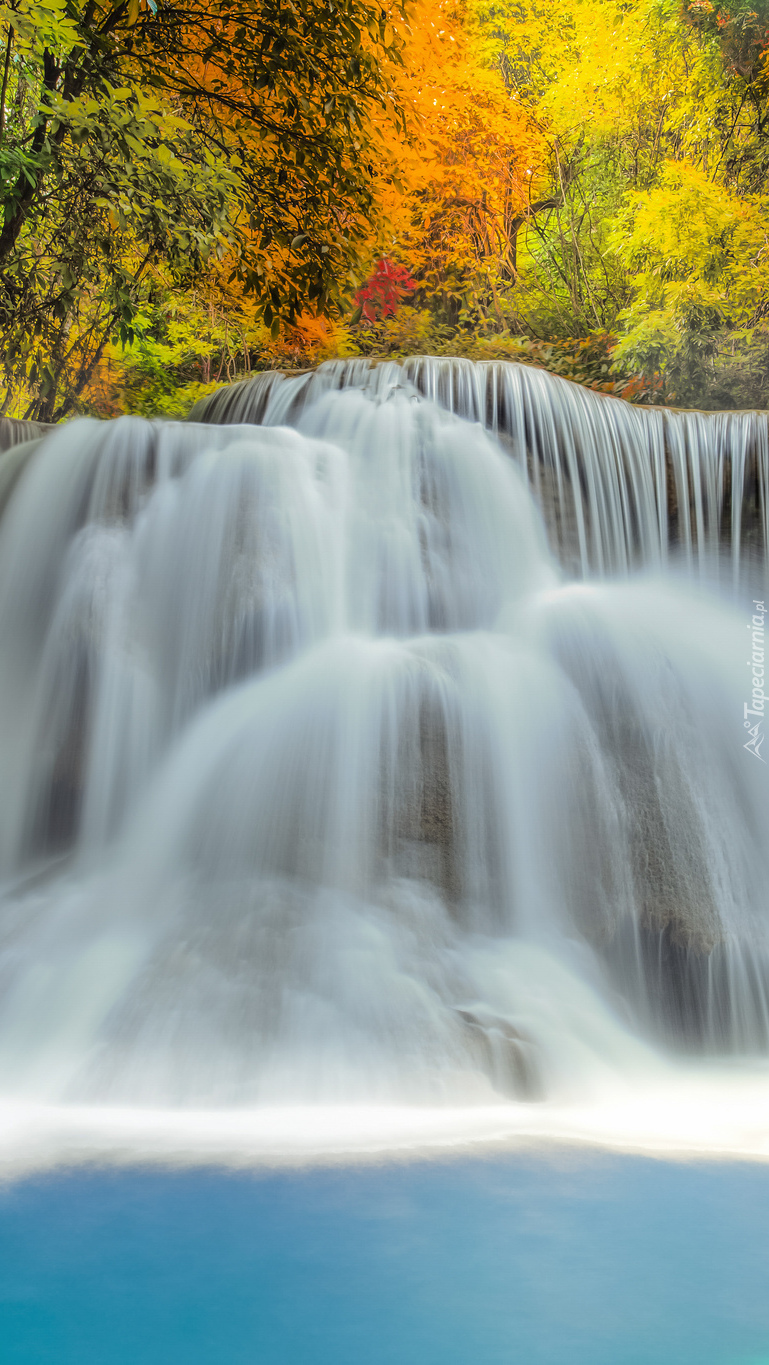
[(515, 1261)]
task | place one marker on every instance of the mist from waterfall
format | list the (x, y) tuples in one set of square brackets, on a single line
[(324, 782)]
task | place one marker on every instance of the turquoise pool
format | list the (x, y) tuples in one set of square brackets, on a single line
[(565, 1260)]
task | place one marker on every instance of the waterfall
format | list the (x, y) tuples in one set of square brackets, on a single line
[(619, 486), (324, 781)]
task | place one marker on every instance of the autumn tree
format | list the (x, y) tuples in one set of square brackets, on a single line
[(655, 116), (137, 136), (454, 191)]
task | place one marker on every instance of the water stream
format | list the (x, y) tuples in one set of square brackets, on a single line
[(361, 761)]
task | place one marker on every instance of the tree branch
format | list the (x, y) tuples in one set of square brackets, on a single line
[(6, 72)]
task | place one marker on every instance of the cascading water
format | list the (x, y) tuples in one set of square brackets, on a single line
[(619, 486), (321, 782)]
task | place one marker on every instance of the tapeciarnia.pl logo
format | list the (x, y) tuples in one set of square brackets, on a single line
[(755, 707)]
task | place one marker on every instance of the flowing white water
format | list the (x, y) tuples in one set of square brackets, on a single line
[(323, 786), (619, 486)]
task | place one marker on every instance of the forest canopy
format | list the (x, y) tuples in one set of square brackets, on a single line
[(192, 192)]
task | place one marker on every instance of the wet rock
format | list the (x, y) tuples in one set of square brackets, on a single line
[(422, 834), (507, 1057)]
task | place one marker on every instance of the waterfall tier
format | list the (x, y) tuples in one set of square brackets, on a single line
[(619, 486)]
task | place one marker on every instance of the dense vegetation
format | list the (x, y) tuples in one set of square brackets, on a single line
[(193, 192), (148, 151)]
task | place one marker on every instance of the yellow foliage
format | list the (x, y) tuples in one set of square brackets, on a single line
[(599, 69), (699, 255)]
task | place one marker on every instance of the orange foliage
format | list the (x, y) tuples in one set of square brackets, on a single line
[(455, 193)]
